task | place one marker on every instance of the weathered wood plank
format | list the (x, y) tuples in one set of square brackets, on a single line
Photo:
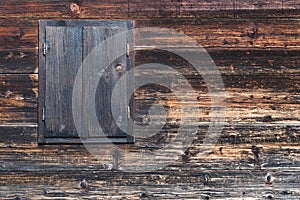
[(184, 7), (250, 98), (229, 174), (124, 8), (235, 140), (18, 38), (162, 185), (21, 61), (18, 98), (243, 61), (232, 134), (247, 30), (22, 134), (229, 33), (235, 62)]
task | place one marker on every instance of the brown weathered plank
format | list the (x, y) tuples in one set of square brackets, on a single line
[(18, 61), (180, 8), (124, 8), (247, 30), (223, 169), (229, 61), (18, 98), (249, 99)]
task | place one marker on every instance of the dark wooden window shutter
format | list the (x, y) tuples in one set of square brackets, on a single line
[(63, 46)]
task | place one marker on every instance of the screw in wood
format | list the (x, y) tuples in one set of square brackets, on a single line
[(269, 179)]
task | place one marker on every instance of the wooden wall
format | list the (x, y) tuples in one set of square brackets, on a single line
[(256, 46)]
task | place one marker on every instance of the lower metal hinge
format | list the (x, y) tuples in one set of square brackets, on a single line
[(43, 114)]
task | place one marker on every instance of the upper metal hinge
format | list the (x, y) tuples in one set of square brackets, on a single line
[(128, 49), (45, 49)]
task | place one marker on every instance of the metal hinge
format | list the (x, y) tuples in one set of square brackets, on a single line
[(128, 49), (43, 114), (45, 48), (128, 112)]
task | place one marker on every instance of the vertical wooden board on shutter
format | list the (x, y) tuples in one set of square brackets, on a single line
[(92, 64), (98, 96), (63, 58)]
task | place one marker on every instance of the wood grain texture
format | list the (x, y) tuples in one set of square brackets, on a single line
[(230, 171), (266, 31), (93, 36), (63, 59), (124, 8), (255, 45)]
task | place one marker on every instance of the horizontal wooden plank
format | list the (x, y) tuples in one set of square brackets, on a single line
[(33, 8), (183, 7), (18, 98), (58, 170), (234, 150), (250, 98), (230, 61), (162, 185), (232, 134), (18, 134), (124, 8), (18, 61), (247, 30)]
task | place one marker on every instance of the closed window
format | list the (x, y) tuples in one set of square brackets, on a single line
[(75, 62)]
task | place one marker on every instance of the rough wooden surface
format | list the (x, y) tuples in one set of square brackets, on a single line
[(257, 53)]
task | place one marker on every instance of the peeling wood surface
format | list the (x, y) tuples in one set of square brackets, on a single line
[(257, 53)]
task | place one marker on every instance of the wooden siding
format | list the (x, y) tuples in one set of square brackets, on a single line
[(256, 46)]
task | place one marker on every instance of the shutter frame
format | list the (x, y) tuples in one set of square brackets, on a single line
[(44, 49)]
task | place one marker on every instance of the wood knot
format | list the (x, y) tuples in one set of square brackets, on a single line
[(221, 150), (267, 118), (75, 9), (21, 35)]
